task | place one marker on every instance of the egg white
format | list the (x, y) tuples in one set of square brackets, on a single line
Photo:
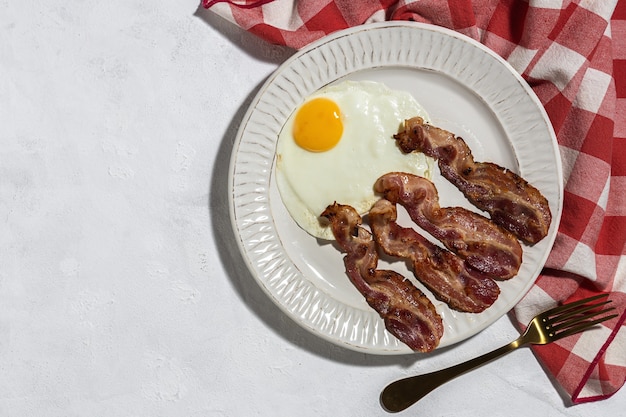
[(309, 181)]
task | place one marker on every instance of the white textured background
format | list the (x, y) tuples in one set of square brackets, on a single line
[(121, 289)]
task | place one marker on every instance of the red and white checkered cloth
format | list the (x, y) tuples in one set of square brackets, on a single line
[(573, 54)]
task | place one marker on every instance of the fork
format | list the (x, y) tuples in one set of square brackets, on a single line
[(544, 328)]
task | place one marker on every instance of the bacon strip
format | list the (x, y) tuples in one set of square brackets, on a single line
[(444, 273), (509, 199), (408, 314), (483, 244)]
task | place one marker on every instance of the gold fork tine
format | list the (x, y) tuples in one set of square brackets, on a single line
[(577, 312), (575, 317), (571, 328)]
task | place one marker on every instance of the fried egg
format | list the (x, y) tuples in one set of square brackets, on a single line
[(337, 143)]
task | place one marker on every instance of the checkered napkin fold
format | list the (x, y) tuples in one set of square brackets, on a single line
[(573, 55)]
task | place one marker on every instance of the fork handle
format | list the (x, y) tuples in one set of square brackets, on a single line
[(403, 393)]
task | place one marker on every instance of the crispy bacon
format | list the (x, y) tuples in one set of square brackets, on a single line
[(508, 198), (483, 244), (408, 314), (444, 273)]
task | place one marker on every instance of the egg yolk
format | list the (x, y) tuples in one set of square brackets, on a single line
[(317, 126)]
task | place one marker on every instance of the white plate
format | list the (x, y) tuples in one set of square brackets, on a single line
[(466, 88)]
